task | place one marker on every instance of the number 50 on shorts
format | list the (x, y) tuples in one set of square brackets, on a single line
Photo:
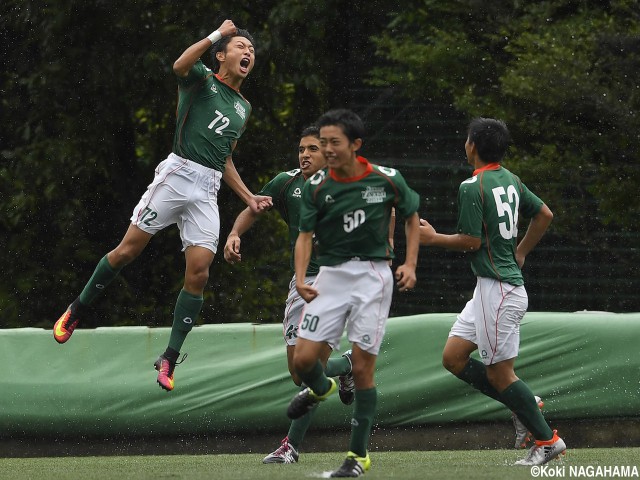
[(309, 322)]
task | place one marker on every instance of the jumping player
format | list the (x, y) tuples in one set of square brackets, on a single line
[(285, 190), (489, 205), (211, 117), (348, 207)]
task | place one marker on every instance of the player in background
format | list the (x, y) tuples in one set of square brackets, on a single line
[(211, 117), (348, 207), (285, 189), (489, 204)]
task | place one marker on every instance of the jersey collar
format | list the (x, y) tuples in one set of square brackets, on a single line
[(225, 83), (367, 171), (488, 166)]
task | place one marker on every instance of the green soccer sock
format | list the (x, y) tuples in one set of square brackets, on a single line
[(520, 399), (475, 374), (316, 380), (362, 421), (337, 367), (299, 426), (186, 313), (102, 276)]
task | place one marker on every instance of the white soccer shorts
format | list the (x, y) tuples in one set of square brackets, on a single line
[(491, 319), (185, 193), (356, 295)]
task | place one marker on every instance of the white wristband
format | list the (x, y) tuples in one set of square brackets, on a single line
[(214, 36)]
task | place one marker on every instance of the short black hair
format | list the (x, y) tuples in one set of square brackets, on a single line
[(350, 123), (310, 131), (491, 138), (221, 46)]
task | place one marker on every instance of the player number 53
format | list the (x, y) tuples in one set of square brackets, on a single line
[(508, 229)]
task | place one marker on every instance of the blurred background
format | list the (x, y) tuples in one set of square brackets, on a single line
[(88, 100)]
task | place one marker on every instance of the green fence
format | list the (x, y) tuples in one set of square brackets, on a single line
[(102, 382)]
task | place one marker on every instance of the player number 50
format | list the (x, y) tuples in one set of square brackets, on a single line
[(353, 220), (508, 229), (310, 322)]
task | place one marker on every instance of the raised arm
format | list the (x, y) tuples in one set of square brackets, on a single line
[(191, 55)]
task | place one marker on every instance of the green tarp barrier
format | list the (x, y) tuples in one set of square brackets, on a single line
[(102, 382)]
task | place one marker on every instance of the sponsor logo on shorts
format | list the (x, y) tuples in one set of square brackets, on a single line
[(366, 339), (240, 110), (484, 354), (374, 195)]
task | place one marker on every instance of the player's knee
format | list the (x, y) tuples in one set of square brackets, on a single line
[(197, 280), (122, 256), (452, 363)]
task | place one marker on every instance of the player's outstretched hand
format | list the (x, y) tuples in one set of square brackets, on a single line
[(307, 292), (227, 28), (232, 249), (406, 277), (427, 232)]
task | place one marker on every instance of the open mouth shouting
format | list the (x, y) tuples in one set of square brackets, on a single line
[(244, 65)]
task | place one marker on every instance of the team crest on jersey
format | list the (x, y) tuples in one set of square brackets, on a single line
[(297, 192), (374, 195), (329, 199), (214, 89), (240, 110)]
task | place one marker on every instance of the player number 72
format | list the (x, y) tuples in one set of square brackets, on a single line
[(219, 117)]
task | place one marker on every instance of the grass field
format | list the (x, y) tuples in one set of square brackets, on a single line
[(440, 465)]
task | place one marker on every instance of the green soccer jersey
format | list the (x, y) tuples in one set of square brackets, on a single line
[(211, 116), (285, 189), (350, 217), (489, 204)]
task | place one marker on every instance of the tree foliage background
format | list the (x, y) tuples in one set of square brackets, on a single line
[(88, 102)]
